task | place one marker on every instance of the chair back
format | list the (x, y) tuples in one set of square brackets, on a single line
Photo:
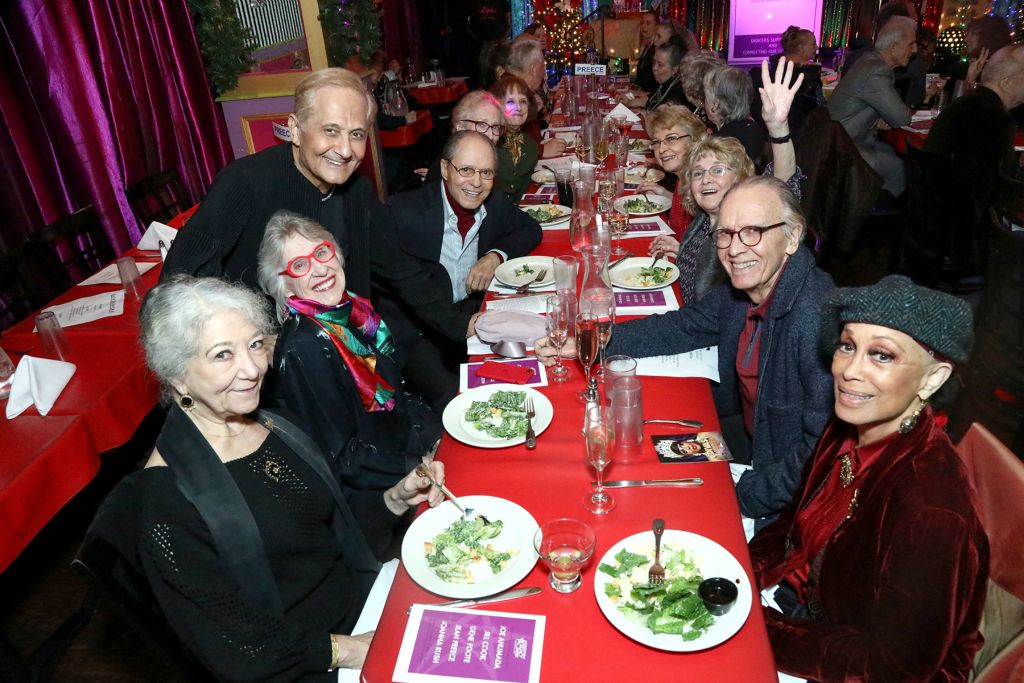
[(940, 246), (28, 280), (998, 479), (76, 242), (157, 198), (123, 588)]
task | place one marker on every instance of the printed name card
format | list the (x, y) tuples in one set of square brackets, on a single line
[(591, 70), (640, 299), (88, 308), (451, 644), (536, 198), (643, 226)]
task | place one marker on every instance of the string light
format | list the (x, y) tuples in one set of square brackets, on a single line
[(566, 30)]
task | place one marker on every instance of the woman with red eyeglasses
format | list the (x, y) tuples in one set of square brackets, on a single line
[(334, 361)]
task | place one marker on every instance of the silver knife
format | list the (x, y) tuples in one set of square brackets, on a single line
[(618, 261), (624, 483), (696, 424), (507, 595)]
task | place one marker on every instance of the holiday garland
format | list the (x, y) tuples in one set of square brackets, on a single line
[(351, 28), (226, 44)]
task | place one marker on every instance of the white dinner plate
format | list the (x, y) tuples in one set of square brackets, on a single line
[(454, 416), (644, 174), (506, 272), (627, 273), (639, 145), (516, 537), (663, 203), (712, 559), (543, 176), (564, 212)]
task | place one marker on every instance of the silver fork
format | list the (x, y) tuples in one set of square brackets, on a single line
[(656, 574), (467, 512), (531, 437), (523, 289)]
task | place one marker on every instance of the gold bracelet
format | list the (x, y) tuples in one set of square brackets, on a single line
[(335, 653)]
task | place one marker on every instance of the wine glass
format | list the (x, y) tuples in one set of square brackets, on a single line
[(599, 433), (601, 144), (604, 310), (559, 308), (565, 545), (585, 142), (605, 190), (587, 344), (618, 222)]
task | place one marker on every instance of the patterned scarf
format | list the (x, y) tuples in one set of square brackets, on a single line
[(513, 142), (341, 323)]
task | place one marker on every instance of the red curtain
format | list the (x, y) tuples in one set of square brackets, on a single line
[(401, 29), (97, 95)]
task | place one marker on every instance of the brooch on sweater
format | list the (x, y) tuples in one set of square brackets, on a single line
[(846, 471)]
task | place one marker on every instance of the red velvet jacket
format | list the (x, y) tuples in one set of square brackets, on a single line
[(901, 583)]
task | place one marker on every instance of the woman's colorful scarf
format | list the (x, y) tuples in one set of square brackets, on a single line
[(513, 142), (355, 314)]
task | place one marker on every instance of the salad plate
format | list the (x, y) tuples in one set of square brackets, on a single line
[(468, 431), (515, 538), (548, 214), (639, 145), (637, 273), (644, 174), (710, 559), (518, 271), (636, 205)]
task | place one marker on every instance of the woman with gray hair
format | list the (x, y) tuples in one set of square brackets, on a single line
[(334, 361), (259, 560), (727, 95)]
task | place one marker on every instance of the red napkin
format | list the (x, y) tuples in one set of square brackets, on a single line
[(505, 372)]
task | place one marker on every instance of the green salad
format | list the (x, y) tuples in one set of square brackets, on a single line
[(544, 215), (650, 276), (502, 415), (673, 607), (524, 269), (638, 145), (456, 551), (641, 205)]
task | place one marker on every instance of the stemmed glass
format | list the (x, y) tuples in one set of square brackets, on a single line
[(587, 344), (559, 310), (617, 224), (565, 545), (601, 143), (605, 190), (585, 142), (599, 433), (604, 309)]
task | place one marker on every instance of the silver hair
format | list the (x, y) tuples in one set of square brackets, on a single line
[(175, 312), (331, 77), (893, 30), (732, 89), (270, 261), (473, 100), (792, 215), (523, 55), (693, 68)]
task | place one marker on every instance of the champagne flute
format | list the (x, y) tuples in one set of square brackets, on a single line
[(587, 344), (599, 434), (601, 146), (617, 223), (604, 310), (558, 309)]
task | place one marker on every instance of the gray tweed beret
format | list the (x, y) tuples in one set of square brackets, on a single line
[(939, 321)]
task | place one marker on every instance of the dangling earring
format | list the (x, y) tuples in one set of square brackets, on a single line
[(186, 402), (908, 423)]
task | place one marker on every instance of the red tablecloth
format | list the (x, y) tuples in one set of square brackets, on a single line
[(550, 482), (406, 135), (47, 460), (900, 138), (453, 89)]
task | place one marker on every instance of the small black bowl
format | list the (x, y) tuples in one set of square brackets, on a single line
[(718, 594)]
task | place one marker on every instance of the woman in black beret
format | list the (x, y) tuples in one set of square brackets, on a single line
[(881, 561)]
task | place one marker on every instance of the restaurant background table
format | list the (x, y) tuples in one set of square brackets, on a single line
[(48, 460), (551, 482), (409, 134), (453, 89)]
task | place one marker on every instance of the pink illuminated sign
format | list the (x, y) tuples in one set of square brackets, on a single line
[(756, 26)]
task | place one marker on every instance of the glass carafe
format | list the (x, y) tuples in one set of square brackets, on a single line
[(597, 300), (583, 222)]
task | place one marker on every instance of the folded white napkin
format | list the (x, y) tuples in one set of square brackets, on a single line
[(622, 110), (110, 276), (37, 381), (154, 234), (494, 326)]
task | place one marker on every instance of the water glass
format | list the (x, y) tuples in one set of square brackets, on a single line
[(53, 342), (939, 102), (566, 267), (564, 547), (616, 367), (563, 181), (627, 415), (620, 179), (129, 274), (588, 174)]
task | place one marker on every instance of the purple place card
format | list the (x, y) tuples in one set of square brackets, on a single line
[(631, 186), (547, 189), (639, 299), (536, 198), (643, 226), (460, 645), (473, 381)]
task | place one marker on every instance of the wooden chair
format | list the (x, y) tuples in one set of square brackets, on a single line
[(116, 583), (998, 478), (157, 198), (28, 280), (76, 243), (940, 248)]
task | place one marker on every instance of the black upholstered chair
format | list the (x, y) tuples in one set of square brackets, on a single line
[(76, 243), (157, 198)]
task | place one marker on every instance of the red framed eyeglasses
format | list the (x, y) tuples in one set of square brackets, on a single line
[(301, 265)]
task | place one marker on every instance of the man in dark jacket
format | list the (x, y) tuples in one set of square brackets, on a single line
[(775, 390)]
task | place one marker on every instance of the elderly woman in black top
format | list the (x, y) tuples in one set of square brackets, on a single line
[(257, 557), (727, 95), (333, 360)]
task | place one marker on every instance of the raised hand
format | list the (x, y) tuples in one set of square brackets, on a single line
[(776, 96), (977, 65)]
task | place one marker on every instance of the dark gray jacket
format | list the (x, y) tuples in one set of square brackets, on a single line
[(794, 393)]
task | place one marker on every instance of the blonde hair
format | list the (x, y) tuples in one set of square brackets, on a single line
[(332, 77), (669, 116), (729, 150)]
